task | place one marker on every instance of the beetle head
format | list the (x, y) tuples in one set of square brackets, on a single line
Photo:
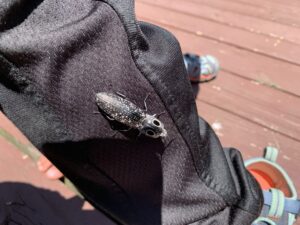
[(153, 127)]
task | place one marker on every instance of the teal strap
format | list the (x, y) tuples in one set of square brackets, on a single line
[(274, 203), (278, 204), (271, 154), (263, 221)]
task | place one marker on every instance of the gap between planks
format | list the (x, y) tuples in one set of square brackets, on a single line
[(274, 14), (255, 25), (251, 138), (247, 64), (254, 102), (270, 47)]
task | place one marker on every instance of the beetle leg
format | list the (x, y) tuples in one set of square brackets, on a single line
[(140, 133), (121, 131), (125, 130), (114, 134), (121, 95), (136, 138), (109, 117), (159, 114)]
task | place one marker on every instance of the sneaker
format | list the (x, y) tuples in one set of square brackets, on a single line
[(281, 206), (201, 68)]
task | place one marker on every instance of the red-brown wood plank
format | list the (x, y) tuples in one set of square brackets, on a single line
[(292, 3), (271, 46), (263, 69), (277, 5), (12, 129), (259, 104), (251, 115), (284, 14), (252, 24), (251, 138)]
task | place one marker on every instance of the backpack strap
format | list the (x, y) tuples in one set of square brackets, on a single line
[(279, 204), (277, 207)]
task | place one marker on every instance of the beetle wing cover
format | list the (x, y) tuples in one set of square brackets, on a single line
[(120, 109)]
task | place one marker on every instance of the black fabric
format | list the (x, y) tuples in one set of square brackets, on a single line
[(58, 54)]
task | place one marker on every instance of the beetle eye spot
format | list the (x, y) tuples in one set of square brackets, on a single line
[(150, 133), (156, 122)]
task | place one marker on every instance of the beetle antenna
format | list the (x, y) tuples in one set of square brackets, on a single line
[(145, 104), (159, 114)]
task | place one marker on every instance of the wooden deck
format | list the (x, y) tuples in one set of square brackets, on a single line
[(255, 100)]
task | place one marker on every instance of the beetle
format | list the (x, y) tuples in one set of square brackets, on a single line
[(117, 107)]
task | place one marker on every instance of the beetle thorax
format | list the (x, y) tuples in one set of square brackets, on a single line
[(153, 127)]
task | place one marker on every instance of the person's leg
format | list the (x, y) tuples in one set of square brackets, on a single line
[(45, 166)]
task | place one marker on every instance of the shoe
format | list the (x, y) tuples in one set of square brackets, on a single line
[(281, 206), (201, 68)]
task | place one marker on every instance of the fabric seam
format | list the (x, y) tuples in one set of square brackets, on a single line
[(205, 176)]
